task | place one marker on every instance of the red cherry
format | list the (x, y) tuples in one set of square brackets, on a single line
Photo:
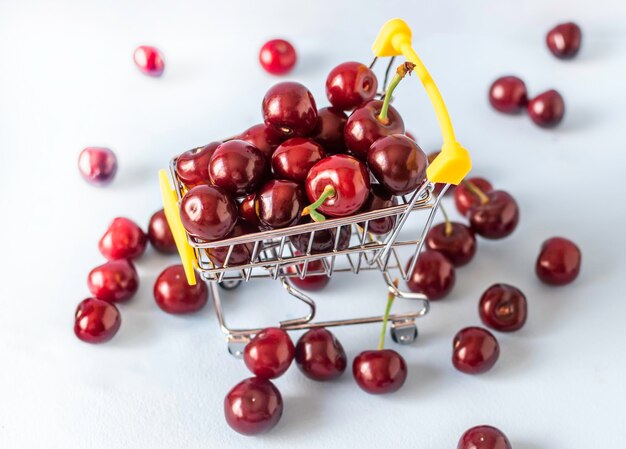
[(323, 240), (114, 281), (484, 437), (173, 294), (97, 165), (329, 129), (96, 321), (208, 213), (279, 203), (464, 197), (379, 372), (503, 307), (508, 94), (241, 254), (238, 168), (277, 56), (160, 234), (123, 240), (263, 138), (363, 127), (289, 109), (547, 109), (149, 60), (320, 356), (497, 218), (558, 262), (454, 240), (192, 167), (564, 40), (247, 211), (474, 350), (350, 84), (294, 158), (270, 353), (438, 186), (253, 406), (379, 198), (311, 282), (432, 276)]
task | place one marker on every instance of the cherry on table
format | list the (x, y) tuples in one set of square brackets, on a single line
[(432, 276), (253, 406), (192, 167), (328, 132), (97, 165), (558, 262), (208, 213), (160, 234), (279, 203), (379, 198), (149, 60), (379, 371), (320, 356), (96, 321), (465, 197), (270, 353), (123, 239), (238, 168), (174, 295), (323, 240), (350, 84), (496, 216), (547, 109), (289, 109), (503, 307), (484, 437), (294, 158), (240, 254), (564, 40), (263, 137), (474, 350), (508, 94), (113, 281), (311, 282), (277, 56), (454, 240)]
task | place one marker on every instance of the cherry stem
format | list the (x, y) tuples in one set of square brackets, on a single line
[(484, 199), (329, 192), (383, 333), (448, 227), (402, 70)]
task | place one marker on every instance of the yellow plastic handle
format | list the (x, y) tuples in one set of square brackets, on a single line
[(170, 207), (453, 163)]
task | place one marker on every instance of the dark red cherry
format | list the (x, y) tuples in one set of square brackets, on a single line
[(363, 127), (379, 372), (248, 212), (208, 213), (329, 129), (149, 60), (379, 198), (474, 350), (294, 158), (113, 281), (277, 56), (270, 353), (558, 262), (160, 234), (320, 356), (495, 219), (263, 138), (123, 240), (508, 94), (241, 254), (464, 197), (96, 321), (503, 307), (323, 240), (439, 186), (398, 163), (174, 295), (454, 240), (311, 282), (564, 40), (238, 168), (253, 406), (98, 165), (432, 276), (279, 203), (547, 109), (350, 84), (289, 109), (484, 437), (192, 167)]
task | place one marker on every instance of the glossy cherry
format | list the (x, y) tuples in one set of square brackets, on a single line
[(270, 353), (149, 60), (564, 40), (253, 406), (263, 137), (474, 350), (323, 240), (503, 307), (192, 167), (208, 213), (320, 356), (238, 168), (508, 94), (123, 240), (96, 321), (329, 129), (240, 254), (379, 371), (289, 109), (363, 127), (465, 197), (454, 240), (379, 198), (484, 437), (113, 281), (558, 262), (294, 158), (432, 276), (547, 109), (311, 282), (350, 84), (496, 217), (160, 234), (248, 212), (97, 165), (279, 203), (277, 56), (174, 295)]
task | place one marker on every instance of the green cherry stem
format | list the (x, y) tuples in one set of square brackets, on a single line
[(329, 192), (390, 298), (402, 71), (484, 199)]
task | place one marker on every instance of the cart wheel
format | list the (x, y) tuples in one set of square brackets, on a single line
[(236, 347), (229, 284), (404, 332)]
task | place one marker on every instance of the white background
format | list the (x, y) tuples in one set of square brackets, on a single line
[(67, 81)]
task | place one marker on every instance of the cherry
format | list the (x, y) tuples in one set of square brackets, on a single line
[(432, 276), (398, 163), (484, 437), (438, 186), (465, 197), (96, 321), (289, 109), (247, 211), (149, 60), (547, 109), (329, 129), (323, 240), (208, 213), (564, 40), (350, 84), (311, 282), (496, 216), (277, 56), (379, 198), (253, 406), (503, 307), (279, 203), (380, 371), (263, 138), (241, 254), (97, 165), (558, 262), (508, 94), (174, 295), (238, 167), (454, 240), (123, 240), (337, 185), (270, 353), (474, 350), (160, 234), (363, 127), (320, 356), (294, 158), (113, 281), (192, 167)]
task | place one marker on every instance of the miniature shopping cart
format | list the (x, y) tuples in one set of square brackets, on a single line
[(274, 256)]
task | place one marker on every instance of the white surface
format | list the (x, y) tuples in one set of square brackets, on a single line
[(67, 81)]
